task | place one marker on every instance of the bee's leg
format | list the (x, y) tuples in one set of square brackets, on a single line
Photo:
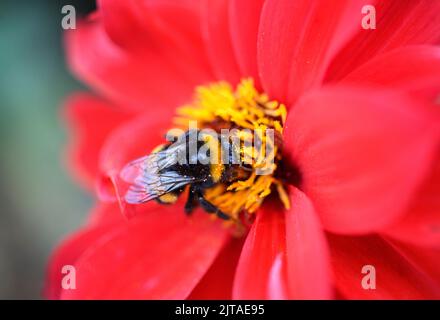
[(209, 207), (189, 204)]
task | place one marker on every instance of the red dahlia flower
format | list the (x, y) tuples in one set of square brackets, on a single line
[(361, 144)]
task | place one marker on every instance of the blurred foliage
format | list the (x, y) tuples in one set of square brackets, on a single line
[(39, 202)]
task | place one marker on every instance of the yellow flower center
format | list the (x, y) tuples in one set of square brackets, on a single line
[(218, 106)]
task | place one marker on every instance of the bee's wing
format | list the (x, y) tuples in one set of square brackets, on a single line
[(148, 180)]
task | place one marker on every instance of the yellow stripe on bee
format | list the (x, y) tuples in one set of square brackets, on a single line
[(217, 171), (217, 167), (169, 198)]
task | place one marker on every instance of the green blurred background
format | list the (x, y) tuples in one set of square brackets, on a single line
[(39, 203)]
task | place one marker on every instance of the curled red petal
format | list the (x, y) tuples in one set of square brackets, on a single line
[(399, 23), (265, 241), (68, 253), (395, 277), (424, 259), (277, 287), (161, 72), (217, 282), (244, 23), (123, 23), (413, 69), (217, 37), (285, 255), (307, 255), (362, 154), (90, 121), (159, 255), (421, 224), (104, 213), (297, 39)]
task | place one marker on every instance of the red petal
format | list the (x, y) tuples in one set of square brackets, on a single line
[(172, 27), (217, 282), (123, 23), (421, 225), (160, 255), (104, 213), (216, 32), (399, 23), (159, 73), (265, 241), (104, 218), (426, 260), (284, 258), (362, 154), (297, 39), (396, 278), (308, 267), (277, 284), (244, 20), (68, 252), (91, 120), (414, 69)]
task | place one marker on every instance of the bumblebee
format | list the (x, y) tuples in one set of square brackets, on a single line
[(169, 170)]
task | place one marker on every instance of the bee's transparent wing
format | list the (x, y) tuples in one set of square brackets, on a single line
[(148, 180)]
